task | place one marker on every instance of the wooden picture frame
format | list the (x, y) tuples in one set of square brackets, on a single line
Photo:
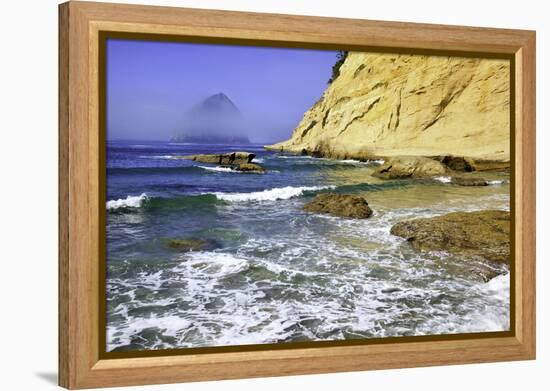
[(81, 363)]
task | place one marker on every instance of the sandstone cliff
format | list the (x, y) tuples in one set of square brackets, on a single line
[(397, 104)]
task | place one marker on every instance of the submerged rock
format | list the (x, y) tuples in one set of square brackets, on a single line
[(191, 244), (468, 181), (250, 167), (343, 205), (483, 234), (222, 158), (410, 167)]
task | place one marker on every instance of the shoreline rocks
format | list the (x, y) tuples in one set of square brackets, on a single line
[(469, 164), (457, 163), (451, 162), (341, 205), (468, 181), (482, 234), (410, 167)]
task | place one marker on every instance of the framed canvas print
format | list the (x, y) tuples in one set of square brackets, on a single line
[(247, 195)]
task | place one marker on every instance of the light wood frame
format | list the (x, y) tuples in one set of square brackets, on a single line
[(80, 24)]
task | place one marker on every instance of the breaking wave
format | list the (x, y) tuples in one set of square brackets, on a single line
[(128, 202), (283, 193)]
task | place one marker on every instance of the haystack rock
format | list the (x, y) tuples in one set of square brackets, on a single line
[(215, 120), (384, 105)]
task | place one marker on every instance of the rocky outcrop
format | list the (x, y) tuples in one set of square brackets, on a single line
[(342, 205), (384, 105), (410, 167), (465, 164), (482, 234), (250, 167), (458, 163), (468, 181), (222, 158)]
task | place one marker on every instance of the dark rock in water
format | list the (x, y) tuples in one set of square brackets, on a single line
[(483, 234), (468, 181), (410, 167), (457, 163), (191, 244), (250, 167), (221, 158), (128, 348), (390, 290), (343, 205)]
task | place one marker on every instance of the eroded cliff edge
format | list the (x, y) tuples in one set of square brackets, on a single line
[(396, 104)]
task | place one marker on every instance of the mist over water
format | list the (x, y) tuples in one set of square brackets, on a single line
[(152, 86), (215, 120)]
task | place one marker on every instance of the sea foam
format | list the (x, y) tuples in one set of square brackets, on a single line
[(219, 169), (128, 202), (282, 193), (443, 179), (447, 179), (351, 161)]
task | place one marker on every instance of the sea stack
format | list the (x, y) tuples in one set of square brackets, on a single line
[(215, 120)]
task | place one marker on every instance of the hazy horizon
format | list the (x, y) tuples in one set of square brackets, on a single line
[(151, 85)]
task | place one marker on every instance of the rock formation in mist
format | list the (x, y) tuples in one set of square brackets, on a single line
[(399, 104), (216, 120)]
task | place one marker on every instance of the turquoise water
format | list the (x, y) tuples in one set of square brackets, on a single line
[(271, 273)]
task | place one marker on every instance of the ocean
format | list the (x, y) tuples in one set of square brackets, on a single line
[(272, 273)]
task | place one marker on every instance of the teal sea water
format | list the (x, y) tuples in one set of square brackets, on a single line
[(272, 273)]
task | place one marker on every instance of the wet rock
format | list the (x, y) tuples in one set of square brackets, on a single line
[(250, 167), (483, 234), (468, 181), (457, 163), (343, 205), (410, 167), (191, 244), (390, 290), (222, 158), (491, 165), (128, 348)]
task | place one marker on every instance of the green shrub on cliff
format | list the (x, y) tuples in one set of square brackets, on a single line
[(340, 58)]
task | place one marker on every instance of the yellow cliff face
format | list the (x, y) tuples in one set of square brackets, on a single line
[(397, 104)]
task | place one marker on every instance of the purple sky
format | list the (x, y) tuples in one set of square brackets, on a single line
[(150, 85)]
